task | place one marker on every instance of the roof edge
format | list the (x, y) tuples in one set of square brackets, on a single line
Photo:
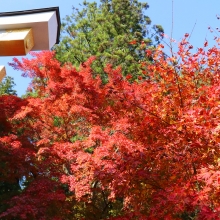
[(34, 11)]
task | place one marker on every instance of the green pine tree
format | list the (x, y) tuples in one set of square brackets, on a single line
[(7, 85), (116, 32)]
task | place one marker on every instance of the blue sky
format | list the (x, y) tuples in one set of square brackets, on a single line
[(188, 16)]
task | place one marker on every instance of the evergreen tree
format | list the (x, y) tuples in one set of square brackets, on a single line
[(115, 32), (6, 86)]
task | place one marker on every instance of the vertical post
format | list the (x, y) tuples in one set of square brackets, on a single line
[(2, 73)]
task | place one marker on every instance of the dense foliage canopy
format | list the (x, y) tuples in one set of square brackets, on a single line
[(141, 150)]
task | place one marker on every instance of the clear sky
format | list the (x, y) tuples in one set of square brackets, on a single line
[(188, 16)]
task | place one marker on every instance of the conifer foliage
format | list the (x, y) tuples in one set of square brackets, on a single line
[(141, 150), (116, 32), (7, 86)]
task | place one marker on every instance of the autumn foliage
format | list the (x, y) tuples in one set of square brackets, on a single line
[(147, 149)]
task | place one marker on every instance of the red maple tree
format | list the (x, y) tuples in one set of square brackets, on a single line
[(123, 150)]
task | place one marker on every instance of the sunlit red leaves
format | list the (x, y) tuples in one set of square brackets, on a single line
[(133, 42), (149, 144)]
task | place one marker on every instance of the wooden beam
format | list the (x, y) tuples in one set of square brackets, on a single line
[(16, 42), (2, 73)]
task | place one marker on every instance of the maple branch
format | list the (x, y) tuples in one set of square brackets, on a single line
[(179, 90), (194, 169), (106, 203), (153, 183), (172, 24), (150, 113), (66, 128), (153, 114), (177, 80)]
